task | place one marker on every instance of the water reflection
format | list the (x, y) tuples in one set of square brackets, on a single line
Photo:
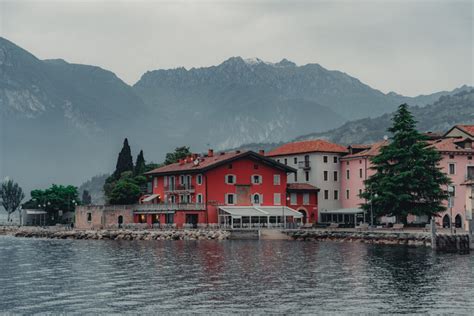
[(230, 276)]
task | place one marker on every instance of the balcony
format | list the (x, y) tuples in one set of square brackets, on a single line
[(179, 188), (305, 165), (170, 207)]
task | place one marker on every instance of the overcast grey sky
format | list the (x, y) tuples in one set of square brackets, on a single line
[(411, 47)]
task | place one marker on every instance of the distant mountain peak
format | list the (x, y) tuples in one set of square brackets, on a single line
[(285, 63)]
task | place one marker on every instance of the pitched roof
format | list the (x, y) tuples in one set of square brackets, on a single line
[(206, 163), (373, 150), (307, 146), (451, 144), (469, 129), (301, 187)]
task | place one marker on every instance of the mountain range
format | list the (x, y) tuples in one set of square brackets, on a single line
[(63, 122)]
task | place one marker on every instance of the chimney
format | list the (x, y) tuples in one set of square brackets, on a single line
[(194, 157), (181, 162), (261, 152), (210, 152), (237, 151)]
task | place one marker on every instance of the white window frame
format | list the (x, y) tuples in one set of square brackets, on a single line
[(277, 198), (260, 199), (259, 177), (449, 168), (199, 179), (276, 179), (305, 198), (336, 192), (199, 198), (227, 198), (293, 198), (233, 175)]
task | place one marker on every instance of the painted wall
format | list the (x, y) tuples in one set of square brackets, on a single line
[(311, 208), (355, 183)]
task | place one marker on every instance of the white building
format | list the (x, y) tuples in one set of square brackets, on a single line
[(318, 163)]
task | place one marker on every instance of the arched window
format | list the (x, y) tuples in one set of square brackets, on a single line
[(256, 198), (458, 221)]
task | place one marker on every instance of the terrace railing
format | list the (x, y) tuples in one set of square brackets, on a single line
[(170, 207)]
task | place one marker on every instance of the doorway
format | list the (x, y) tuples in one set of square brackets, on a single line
[(305, 216), (446, 221), (120, 221), (458, 221), (192, 219)]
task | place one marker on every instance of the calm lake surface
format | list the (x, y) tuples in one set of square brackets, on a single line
[(81, 276)]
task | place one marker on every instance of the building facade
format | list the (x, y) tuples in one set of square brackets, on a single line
[(317, 163)]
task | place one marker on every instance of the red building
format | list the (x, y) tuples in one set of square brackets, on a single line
[(239, 189)]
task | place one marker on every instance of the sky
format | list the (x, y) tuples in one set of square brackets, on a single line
[(410, 47)]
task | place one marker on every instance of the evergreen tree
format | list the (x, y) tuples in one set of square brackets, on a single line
[(140, 165), (124, 161), (408, 179)]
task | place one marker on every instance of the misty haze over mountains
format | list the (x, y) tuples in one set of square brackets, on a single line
[(64, 123)]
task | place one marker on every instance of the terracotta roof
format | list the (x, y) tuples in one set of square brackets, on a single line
[(307, 146), (451, 144), (467, 128), (217, 159), (373, 150), (361, 146), (301, 187)]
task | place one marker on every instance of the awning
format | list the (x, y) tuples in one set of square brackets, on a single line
[(240, 211), (151, 197), (35, 212), (344, 211)]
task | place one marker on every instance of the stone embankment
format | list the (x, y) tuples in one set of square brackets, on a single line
[(120, 234)]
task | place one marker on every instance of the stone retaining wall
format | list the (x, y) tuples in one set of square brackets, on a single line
[(121, 234)]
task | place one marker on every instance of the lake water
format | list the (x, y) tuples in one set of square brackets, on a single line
[(80, 276)]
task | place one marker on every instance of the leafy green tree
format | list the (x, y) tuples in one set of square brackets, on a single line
[(124, 160), (140, 165), (86, 198), (11, 195), (125, 192), (179, 153), (408, 179), (54, 199)]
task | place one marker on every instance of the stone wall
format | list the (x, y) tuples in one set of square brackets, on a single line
[(102, 216)]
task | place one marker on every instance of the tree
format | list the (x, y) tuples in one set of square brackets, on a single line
[(179, 153), (124, 160), (140, 165), (11, 195), (54, 199), (86, 198), (125, 192), (408, 179)]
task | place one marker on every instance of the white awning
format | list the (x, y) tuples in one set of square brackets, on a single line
[(35, 212), (344, 211), (151, 197), (240, 211)]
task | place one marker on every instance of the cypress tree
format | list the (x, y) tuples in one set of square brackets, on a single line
[(124, 161), (407, 179), (140, 165)]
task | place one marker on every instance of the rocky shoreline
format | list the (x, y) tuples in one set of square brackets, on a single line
[(119, 234)]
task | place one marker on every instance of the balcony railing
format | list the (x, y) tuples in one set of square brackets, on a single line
[(180, 188), (305, 165), (170, 207)]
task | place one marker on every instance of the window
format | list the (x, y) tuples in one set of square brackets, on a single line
[(347, 194), (469, 157), (453, 194), (295, 160), (286, 161), (181, 179), (452, 168), (451, 156), (360, 161), (347, 174), (230, 198), (278, 160), (293, 198), (335, 159), (199, 198), (169, 218), (296, 176), (199, 179), (230, 179), (173, 199), (256, 179), (335, 175), (307, 175), (305, 198), (325, 176), (347, 163), (360, 173), (360, 192), (229, 166), (256, 199), (326, 194), (325, 159), (165, 180), (276, 179), (156, 182), (255, 166), (336, 195), (276, 198), (89, 217)]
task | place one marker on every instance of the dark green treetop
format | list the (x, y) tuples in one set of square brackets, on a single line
[(179, 153), (124, 161)]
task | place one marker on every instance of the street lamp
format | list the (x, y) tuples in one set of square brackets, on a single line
[(372, 209), (450, 205)]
